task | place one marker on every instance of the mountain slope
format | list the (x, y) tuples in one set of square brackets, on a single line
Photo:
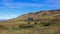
[(39, 15), (42, 22)]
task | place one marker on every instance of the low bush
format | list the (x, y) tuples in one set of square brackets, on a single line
[(26, 26), (3, 27)]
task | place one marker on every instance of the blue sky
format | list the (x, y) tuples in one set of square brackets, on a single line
[(13, 8)]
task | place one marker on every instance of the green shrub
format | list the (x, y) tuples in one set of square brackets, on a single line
[(3, 27), (26, 26)]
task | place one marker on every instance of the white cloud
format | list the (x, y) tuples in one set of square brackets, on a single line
[(19, 5), (51, 3), (1, 17), (8, 16)]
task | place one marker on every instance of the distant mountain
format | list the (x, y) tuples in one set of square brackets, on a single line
[(2, 19)]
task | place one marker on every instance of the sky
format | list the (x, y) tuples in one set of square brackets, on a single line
[(14, 8)]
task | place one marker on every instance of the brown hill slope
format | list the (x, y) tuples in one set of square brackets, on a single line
[(39, 15), (42, 22)]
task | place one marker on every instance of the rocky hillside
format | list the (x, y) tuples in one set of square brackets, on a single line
[(40, 15)]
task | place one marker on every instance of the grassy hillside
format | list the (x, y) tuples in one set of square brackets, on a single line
[(42, 22)]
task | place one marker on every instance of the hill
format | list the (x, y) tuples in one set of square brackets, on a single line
[(42, 22), (39, 15)]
